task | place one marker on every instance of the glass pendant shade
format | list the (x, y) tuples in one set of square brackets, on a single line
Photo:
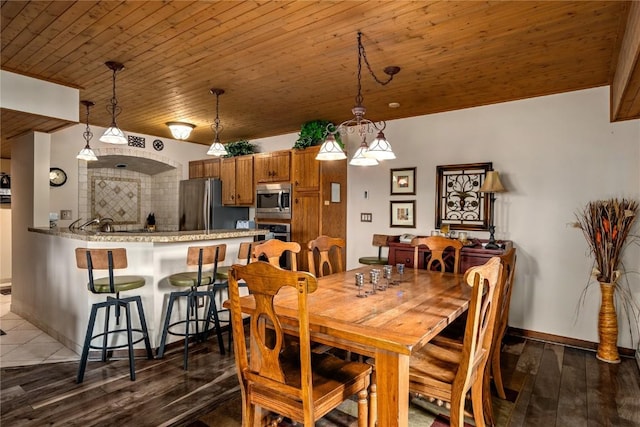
[(217, 149), (380, 149), (180, 130), (360, 158), (330, 150), (113, 135), (87, 154)]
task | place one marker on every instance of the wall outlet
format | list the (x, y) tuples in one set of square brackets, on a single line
[(366, 217), (65, 214)]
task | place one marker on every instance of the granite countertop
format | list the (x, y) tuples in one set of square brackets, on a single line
[(147, 236)]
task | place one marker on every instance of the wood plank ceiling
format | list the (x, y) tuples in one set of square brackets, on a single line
[(283, 63)]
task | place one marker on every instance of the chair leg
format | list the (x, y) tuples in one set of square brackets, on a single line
[(165, 328), (373, 400), (477, 402), (132, 363), (362, 408), (105, 332), (143, 326), (213, 311), (87, 344), (497, 373), (185, 357)]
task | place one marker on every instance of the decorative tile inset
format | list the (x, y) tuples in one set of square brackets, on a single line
[(107, 199), (136, 141)]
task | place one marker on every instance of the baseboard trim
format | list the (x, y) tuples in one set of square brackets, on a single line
[(572, 342)]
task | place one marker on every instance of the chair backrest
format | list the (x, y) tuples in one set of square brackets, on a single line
[(265, 281), (329, 252), (416, 242), (273, 249), (437, 245), (101, 259), (486, 280), (381, 241), (245, 252), (509, 266), (201, 256)]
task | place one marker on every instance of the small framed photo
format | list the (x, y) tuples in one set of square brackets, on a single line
[(403, 213), (403, 181)]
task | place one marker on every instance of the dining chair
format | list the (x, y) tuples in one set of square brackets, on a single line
[(329, 252), (437, 246), (445, 374), (380, 241), (110, 260), (203, 261), (273, 249), (293, 382)]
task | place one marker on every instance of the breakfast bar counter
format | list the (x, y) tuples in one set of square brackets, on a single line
[(57, 299)]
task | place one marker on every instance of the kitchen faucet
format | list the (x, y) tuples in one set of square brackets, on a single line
[(95, 220)]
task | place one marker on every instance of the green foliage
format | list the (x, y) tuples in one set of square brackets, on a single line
[(239, 148), (314, 133)]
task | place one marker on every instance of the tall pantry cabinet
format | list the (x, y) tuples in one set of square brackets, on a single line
[(319, 200)]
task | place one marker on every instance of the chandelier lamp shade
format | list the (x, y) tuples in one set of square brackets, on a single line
[(216, 148), (180, 130), (87, 153), (380, 148), (492, 185), (113, 134)]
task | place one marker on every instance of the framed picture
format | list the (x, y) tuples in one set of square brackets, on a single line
[(403, 213), (403, 181), (459, 204)]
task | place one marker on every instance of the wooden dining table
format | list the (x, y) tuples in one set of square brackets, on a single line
[(387, 325)]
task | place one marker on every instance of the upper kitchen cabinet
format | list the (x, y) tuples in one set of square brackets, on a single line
[(272, 167), (207, 168), (236, 174), (306, 169)]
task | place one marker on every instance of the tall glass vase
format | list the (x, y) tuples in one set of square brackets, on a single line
[(608, 325)]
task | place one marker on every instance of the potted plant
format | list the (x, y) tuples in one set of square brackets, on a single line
[(313, 133), (606, 225), (239, 148)]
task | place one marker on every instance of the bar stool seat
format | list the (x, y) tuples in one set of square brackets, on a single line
[(111, 259), (196, 284), (379, 240)]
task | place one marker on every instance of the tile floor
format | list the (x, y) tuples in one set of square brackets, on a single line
[(25, 344)]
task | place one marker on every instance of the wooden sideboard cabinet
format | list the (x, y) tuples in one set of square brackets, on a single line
[(470, 256)]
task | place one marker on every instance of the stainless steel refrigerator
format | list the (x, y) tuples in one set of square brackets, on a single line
[(201, 206)]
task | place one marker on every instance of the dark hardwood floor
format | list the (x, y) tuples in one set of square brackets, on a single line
[(556, 385)]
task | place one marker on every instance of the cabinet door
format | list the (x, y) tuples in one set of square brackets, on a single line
[(305, 223), (403, 256), (262, 167), (228, 178), (211, 168), (196, 169), (280, 165), (306, 169), (244, 180)]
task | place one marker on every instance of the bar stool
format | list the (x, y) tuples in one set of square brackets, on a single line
[(111, 259), (196, 256), (381, 241)]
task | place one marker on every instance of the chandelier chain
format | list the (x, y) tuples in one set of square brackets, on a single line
[(113, 108), (87, 133), (363, 53)]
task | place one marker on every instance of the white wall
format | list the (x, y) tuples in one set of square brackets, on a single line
[(5, 231), (554, 153)]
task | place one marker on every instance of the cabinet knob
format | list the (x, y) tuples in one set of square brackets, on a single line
[(296, 201), (233, 197)]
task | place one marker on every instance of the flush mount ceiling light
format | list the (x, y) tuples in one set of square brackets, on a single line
[(217, 149), (87, 153), (380, 148), (113, 135), (180, 130)]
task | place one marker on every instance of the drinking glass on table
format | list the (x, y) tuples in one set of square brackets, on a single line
[(374, 277), (360, 285), (386, 272), (400, 268)]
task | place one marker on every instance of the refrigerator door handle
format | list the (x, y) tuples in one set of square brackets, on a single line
[(205, 206)]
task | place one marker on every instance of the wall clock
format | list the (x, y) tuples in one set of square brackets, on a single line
[(57, 177), (158, 145)]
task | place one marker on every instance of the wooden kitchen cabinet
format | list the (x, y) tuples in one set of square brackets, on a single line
[(272, 167), (236, 174), (313, 211), (207, 168), (196, 169)]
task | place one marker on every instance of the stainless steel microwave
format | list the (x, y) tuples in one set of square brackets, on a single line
[(273, 200)]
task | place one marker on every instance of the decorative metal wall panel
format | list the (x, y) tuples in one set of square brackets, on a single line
[(136, 141)]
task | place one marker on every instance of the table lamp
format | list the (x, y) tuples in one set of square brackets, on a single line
[(492, 185)]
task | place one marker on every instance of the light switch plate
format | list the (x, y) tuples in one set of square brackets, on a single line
[(366, 217), (65, 214)]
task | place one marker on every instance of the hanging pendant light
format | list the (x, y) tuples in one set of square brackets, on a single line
[(87, 153), (331, 150), (113, 135), (180, 130), (360, 157), (381, 148), (217, 149)]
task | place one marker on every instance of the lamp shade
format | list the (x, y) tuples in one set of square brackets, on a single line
[(180, 130), (380, 149), (360, 158), (492, 183), (87, 154), (330, 150), (217, 149), (113, 135)]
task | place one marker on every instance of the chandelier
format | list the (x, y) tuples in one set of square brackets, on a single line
[(113, 135), (180, 130), (380, 148), (87, 153), (217, 149)]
